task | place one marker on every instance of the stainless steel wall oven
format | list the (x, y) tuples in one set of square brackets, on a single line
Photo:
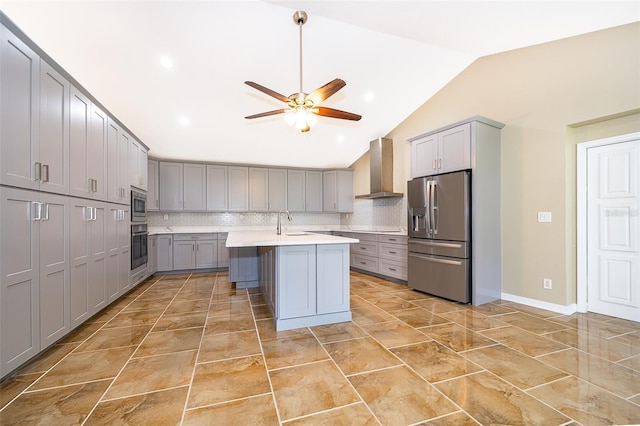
[(139, 239), (138, 207)]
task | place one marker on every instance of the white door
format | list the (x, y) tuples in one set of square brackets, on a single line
[(613, 254)]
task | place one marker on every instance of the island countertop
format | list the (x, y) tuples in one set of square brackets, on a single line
[(291, 238)]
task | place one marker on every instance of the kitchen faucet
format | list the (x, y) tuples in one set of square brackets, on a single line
[(279, 228)]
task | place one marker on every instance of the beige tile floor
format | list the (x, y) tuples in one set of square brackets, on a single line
[(191, 349)]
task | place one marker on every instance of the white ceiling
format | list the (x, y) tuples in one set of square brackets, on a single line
[(401, 52)]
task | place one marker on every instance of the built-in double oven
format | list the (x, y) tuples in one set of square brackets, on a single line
[(139, 234)]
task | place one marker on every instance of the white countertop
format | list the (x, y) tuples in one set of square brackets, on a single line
[(290, 238), (390, 230)]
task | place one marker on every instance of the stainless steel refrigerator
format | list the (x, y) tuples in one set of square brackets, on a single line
[(439, 231)]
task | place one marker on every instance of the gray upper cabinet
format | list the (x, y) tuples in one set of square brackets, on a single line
[(313, 191), (337, 187), (238, 188), (217, 198), (195, 187), (19, 84), (296, 190), (171, 185), (117, 163), (87, 148), (137, 165), (258, 189), (441, 152), (277, 183), (153, 200)]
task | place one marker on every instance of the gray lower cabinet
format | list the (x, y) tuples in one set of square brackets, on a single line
[(152, 262), (34, 274), (296, 281), (165, 252), (195, 251), (382, 254), (88, 257), (243, 266), (223, 251), (119, 253)]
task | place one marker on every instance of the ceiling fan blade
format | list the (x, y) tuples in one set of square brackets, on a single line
[(268, 113), (269, 92), (335, 113), (325, 91)]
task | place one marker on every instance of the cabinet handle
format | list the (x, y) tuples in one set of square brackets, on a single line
[(433, 164), (37, 170), (392, 239), (95, 185), (363, 263), (392, 252), (36, 210), (87, 213), (363, 248), (439, 163), (45, 169), (392, 269), (46, 211)]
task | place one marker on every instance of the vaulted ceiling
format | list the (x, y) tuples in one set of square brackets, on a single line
[(393, 55)]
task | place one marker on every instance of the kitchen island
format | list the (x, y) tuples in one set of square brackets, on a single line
[(303, 276)]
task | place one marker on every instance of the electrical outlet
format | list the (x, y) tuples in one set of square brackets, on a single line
[(547, 283), (166, 217), (544, 216)]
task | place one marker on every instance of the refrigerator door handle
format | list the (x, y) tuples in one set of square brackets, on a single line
[(436, 259), (433, 203), (435, 244), (427, 213)]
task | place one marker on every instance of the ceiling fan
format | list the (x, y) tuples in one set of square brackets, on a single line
[(302, 107)]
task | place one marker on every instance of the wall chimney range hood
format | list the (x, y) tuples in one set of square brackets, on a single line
[(381, 170)]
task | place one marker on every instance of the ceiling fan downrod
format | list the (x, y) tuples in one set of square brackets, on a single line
[(300, 18)]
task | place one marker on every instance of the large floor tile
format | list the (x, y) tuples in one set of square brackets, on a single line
[(455, 419), (134, 318), (215, 347), (255, 411), (292, 351), (531, 323), (267, 331), (156, 408), (68, 405), (435, 362), (370, 315), (615, 378), (164, 342), (633, 362), (514, 367), (216, 382), (81, 367), (336, 332), (153, 373), (310, 388), (12, 386), (490, 400), (419, 317), (524, 341), (472, 320), (587, 403), (392, 303), (186, 306), (107, 338), (351, 415), (595, 345), (395, 333), (360, 355), (180, 321), (456, 337), (227, 309), (48, 359), (229, 324), (398, 396)]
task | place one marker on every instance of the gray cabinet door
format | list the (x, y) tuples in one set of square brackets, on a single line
[(258, 189), (217, 188), (171, 186), (277, 183), (424, 154), (223, 254), (97, 154), (19, 81), (122, 180), (19, 267), (195, 187), (296, 190), (137, 165), (238, 188), (80, 257), (152, 264), (79, 126), (54, 131), (296, 278), (333, 278), (113, 252), (117, 163), (313, 191), (454, 149), (329, 196), (124, 241), (165, 253), (184, 255), (206, 254), (153, 201), (98, 262), (344, 191), (243, 264), (54, 269)]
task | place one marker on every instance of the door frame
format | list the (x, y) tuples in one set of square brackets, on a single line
[(581, 207)]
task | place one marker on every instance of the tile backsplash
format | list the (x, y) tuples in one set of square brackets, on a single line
[(380, 212)]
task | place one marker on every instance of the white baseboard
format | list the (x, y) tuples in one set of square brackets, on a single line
[(561, 309)]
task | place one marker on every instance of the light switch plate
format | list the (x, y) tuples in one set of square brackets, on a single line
[(544, 216)]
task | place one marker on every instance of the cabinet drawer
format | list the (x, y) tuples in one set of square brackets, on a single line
[(193, 237), (393, 239), (396, 252), (363, 236), (393, 269), (364, 262), (364, 248)]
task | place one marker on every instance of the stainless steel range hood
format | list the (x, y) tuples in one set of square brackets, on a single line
[(381, 170)]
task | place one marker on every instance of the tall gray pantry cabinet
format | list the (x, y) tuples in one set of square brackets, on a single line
[(65, 178)]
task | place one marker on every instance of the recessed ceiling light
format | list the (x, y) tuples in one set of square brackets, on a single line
[(166, 62), (183, 121), (368, 96)]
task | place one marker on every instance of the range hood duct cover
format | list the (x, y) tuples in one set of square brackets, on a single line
[(381, 170)]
